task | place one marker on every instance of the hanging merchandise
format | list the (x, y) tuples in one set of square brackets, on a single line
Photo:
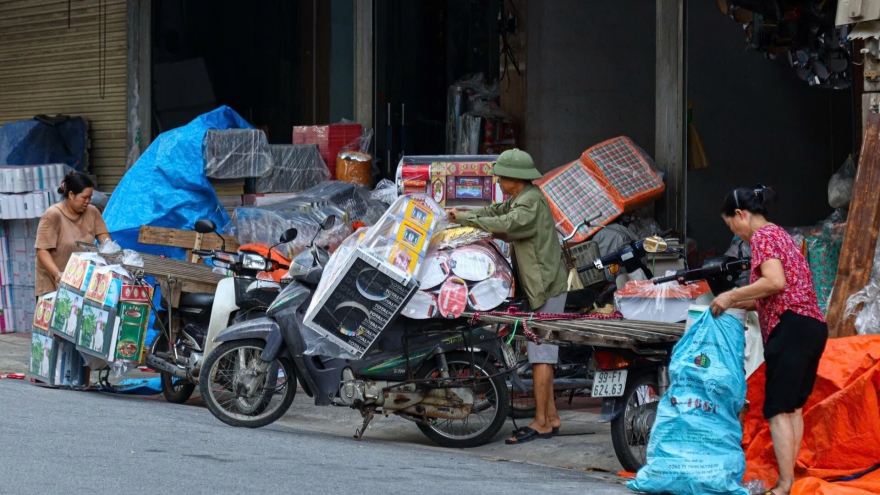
[(805, 32)]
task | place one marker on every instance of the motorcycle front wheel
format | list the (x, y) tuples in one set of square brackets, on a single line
[(631, 430), (490, 409), (238, 393)]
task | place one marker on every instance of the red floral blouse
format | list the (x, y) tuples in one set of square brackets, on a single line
[(772, 242)]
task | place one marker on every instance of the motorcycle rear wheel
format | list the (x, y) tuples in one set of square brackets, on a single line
[(229, 368), (175, 390), (493, 402), (631, 430)]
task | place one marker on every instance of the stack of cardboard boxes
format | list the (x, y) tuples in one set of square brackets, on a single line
[(18, 257)]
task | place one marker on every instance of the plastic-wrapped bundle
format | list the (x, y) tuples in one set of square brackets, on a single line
[(628, 169), (264, 225), (576, 192), (296, 167), (668, 303), (236, 153), (350, 197), (868, 317)]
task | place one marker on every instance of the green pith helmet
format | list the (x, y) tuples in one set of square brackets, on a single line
[(516, 164)]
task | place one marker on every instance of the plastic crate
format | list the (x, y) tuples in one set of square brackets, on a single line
[(583, 255)]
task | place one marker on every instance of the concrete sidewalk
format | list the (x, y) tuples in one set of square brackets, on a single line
[(584, 444), (15, 352)]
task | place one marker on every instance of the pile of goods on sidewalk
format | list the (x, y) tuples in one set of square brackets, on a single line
[(99, 315)]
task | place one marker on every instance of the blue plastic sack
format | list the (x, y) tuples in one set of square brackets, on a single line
[(167, 186), (695, 441)]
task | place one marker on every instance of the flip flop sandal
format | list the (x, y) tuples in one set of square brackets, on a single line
[(526, 435), (553, 432)]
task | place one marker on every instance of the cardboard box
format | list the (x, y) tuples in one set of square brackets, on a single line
[(360, 303), (128, 343), (96, 330), (43, 314), (66, 314), (42, 360), (69, 369)]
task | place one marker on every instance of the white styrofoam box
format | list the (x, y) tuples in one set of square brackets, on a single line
[(17, 247), (31, 245), (16, 229)]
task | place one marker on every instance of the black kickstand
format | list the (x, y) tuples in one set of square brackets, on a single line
[(368, 414)]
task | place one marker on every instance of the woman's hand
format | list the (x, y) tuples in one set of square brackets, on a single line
[(58, 279), (721, 304)]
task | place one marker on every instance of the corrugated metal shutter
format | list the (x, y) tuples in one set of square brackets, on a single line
[(47, 68)]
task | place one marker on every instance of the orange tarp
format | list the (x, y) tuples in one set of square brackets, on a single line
[(841, 423)]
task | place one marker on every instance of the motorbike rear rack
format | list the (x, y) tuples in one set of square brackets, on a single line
[(619, 333)]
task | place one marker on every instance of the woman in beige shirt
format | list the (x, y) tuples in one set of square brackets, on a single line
[(63, 225)]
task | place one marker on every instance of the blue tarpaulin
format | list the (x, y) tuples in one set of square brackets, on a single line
[(32, 142), (167, 186)]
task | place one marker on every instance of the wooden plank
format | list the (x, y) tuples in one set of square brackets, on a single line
[(671, 80), (186, 239), (860, 238)]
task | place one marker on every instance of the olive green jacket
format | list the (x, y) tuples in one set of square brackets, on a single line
[(526, 222)]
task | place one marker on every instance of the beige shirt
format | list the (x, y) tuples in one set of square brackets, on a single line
[(58, 234)]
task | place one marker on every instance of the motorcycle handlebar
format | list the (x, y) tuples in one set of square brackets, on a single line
[(663, 280), (203, 252)]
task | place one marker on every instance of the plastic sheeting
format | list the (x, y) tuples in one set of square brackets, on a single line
[(31, 142), (167, 186), (669, 302), (236, 154), (295, 167), (841, 423), (264, 225), (865, 304), (694, 448)]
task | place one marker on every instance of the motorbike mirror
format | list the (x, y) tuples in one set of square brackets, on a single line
[(329, 222), (655, 244), (288, 235), (205, 226)]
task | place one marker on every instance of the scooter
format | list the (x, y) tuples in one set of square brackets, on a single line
[(441, 374), (201, 316)]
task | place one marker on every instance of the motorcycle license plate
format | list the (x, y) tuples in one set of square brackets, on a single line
[(609, 383), (509, 355)]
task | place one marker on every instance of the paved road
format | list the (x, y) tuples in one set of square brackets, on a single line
[(55, 441)]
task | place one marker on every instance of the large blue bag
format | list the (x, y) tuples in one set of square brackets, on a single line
[(695, 441)]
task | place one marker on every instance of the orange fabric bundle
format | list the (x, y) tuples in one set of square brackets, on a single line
[(575, 193), (841, 423), (628, 169)]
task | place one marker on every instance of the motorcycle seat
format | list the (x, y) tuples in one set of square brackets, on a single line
[(196, 300)]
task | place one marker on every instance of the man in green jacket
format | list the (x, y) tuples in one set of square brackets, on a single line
[(526, 222)]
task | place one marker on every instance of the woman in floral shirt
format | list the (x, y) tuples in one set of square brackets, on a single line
[(794, 329)]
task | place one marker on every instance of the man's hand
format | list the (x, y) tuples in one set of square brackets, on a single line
[(453, 213)]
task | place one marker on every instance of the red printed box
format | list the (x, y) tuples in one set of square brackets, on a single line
[(330, 140)]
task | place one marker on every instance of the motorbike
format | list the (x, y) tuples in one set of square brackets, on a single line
[(631, 381), (442, 375), (200, 316)]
